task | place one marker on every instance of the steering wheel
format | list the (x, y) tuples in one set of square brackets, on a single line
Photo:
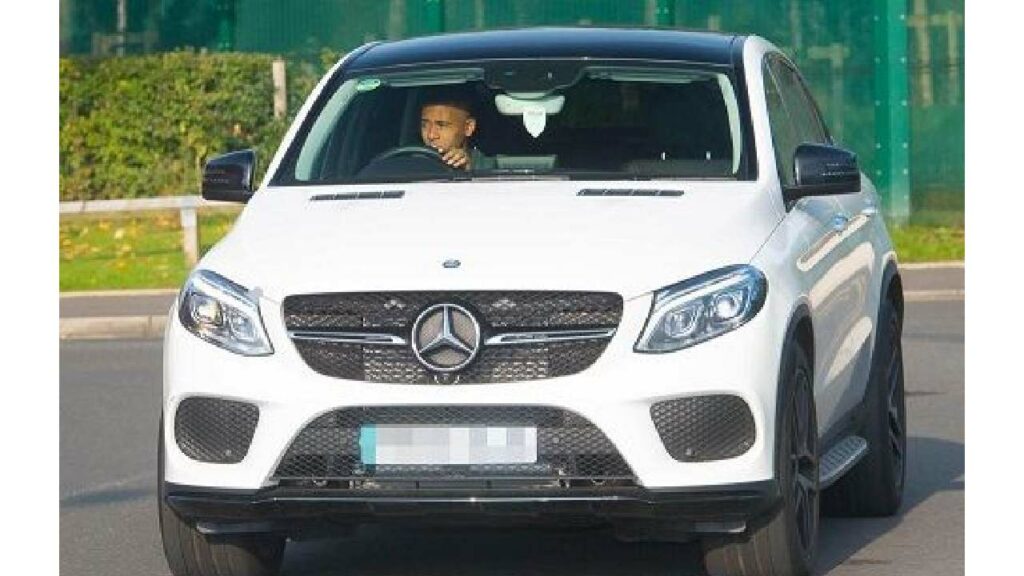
[(406, 160), (403, 151)]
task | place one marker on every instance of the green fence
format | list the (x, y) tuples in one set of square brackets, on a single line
[(889, 74)]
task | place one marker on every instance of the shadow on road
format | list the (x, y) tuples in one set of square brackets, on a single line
[(935, 466)]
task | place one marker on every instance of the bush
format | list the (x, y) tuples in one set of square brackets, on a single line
[(144, 125)]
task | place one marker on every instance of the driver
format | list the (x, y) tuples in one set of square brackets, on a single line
[(446, 125)]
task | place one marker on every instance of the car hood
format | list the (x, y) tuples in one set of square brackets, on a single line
[(504, 235)]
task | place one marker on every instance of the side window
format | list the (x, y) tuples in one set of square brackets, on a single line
[(799, 103), (784, 137), (788, 99)]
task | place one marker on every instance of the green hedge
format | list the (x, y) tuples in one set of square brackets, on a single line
[(144, 125)]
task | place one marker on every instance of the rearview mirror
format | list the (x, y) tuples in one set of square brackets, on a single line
[(229, 177), (822, 170)]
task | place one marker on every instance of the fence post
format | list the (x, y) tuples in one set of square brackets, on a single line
[(190, 232), (434, 15), (280, 89), (892, 108)]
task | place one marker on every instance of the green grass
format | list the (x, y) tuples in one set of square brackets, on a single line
[(110, 253), (915, 243)]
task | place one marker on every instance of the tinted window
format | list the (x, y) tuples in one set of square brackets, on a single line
[(603, 122), (793, 116)]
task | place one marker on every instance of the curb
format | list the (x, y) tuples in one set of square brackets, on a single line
[(932, 265), (112, 327), (142, 327), (109, 293), (169, 291)]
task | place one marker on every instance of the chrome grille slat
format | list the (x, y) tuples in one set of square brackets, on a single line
[(529, 335)]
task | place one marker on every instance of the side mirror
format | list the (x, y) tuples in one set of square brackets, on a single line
[(821, 170), (229, 177)]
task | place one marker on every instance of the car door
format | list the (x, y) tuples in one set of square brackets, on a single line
[(833, 264)]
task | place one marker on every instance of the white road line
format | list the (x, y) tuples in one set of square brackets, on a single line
[(932, 295), (109, 485)]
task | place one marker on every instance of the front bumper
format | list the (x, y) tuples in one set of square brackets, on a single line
[(615, 394), (717, 509)]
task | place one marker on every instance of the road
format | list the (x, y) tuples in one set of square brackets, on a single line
[(109, 406)]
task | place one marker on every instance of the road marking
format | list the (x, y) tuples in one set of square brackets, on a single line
[(932, 295), (106, 486)]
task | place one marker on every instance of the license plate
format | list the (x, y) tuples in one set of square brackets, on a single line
[(406, 444)]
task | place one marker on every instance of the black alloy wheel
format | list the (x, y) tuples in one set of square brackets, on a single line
[(896, 407), (803, 460)]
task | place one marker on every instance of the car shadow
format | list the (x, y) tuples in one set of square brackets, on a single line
[(934, 466)]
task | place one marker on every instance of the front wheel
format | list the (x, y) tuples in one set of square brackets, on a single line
[(785, 543), (874, 487), (190, 553)]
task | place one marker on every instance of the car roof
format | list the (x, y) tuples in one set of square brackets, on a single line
[(627, 43)]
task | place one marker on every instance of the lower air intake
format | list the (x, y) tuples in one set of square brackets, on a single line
[(704, 428), (215, 430), (568, 445)]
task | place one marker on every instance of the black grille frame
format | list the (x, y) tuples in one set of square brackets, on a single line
[(568, 445), (497, 312), (215, 430), (704, 428)]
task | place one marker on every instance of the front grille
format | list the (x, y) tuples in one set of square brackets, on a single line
[(704, 428), (394, 313), (568, 445), (215, 430)]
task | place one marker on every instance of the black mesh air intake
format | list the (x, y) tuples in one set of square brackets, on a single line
[(497, 311), (215, 430), (704, 428), (568, 445)]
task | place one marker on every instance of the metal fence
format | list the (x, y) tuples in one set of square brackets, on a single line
[(889, 74)]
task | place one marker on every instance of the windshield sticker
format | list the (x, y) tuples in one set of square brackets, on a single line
[(534, 119), (367, 84)]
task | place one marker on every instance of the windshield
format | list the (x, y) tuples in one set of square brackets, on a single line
[(525, 119)]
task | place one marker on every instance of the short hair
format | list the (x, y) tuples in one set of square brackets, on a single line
[(448, 96)]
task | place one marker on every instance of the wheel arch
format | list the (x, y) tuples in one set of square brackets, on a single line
[(892, 287)]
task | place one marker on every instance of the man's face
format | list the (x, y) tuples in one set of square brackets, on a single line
[(444, 127)]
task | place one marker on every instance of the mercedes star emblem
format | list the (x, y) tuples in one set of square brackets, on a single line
[(445, 337)]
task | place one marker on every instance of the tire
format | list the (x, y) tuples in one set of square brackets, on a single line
[(190, 553), (874, 487), (784, 543)]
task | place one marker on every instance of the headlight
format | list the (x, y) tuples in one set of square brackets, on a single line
[(223, 313), (702, 308)]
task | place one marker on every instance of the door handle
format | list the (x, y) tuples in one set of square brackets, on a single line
[(869, 210)]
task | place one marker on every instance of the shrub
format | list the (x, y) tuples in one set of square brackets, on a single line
[(144, 125)]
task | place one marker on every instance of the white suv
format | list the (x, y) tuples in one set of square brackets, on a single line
[(634, 283)]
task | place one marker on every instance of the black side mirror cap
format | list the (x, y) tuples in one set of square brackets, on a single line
[(822, 170), (229, 177)]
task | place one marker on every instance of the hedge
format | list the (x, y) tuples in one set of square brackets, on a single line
[(141, 126)]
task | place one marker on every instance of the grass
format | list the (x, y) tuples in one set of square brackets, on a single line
[(917, 243), (110, 252)]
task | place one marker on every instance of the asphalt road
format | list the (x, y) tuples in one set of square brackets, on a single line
[(109, 407)]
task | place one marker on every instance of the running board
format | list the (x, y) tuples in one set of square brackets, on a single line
[(839, 459)]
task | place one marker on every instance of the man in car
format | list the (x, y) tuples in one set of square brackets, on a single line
[(446, 124)]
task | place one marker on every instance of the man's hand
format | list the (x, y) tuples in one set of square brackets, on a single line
[(456, 158)]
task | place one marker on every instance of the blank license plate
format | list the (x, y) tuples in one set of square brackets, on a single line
[(405, 444)]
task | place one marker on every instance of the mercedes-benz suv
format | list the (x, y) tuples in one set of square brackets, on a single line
[(612, 276)]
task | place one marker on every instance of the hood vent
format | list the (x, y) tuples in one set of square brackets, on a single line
[(628, 192), (371, 195)]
